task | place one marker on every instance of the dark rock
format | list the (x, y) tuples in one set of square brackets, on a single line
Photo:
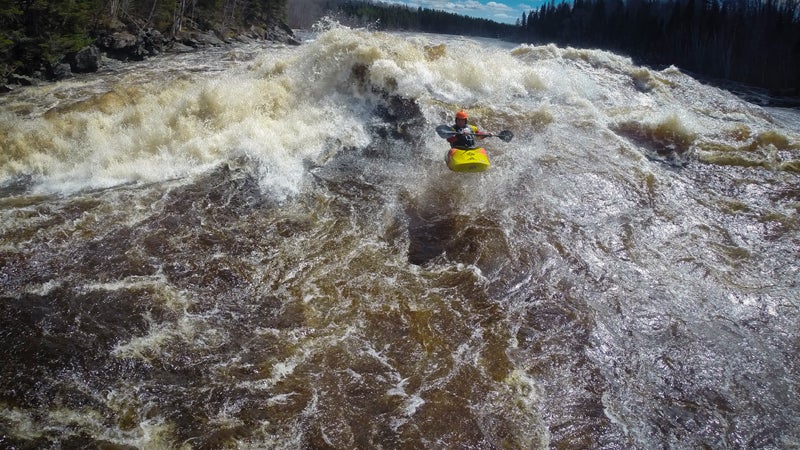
[(124, 46), (244, 38), (177, 47), (201, 39), (280, 32), (153, 41), (121, 40), (86, 60), (61, 71)]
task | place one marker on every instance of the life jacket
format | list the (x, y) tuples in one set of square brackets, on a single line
[(466, 140)]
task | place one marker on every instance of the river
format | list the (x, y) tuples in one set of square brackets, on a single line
[(261, 247)]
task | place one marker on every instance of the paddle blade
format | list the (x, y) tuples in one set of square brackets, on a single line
[(506, 135), (445, 131)]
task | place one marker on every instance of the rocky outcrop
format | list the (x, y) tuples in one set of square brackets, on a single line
[(280, 32), (199, 39), (132, 42), (126, 46), (86, 60)]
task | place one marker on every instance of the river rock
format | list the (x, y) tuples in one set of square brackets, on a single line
[(177, 47), (198, 39), (280, 32), (61, 71), (119, 41), (86, 60), (124, 45), (153, 41)]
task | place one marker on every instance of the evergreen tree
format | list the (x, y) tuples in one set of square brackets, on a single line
[(740, 40)]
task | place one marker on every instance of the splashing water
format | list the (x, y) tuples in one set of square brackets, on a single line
[(262, 248)]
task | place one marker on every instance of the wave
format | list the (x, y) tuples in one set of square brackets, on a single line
[(376, 92), (263, 247)]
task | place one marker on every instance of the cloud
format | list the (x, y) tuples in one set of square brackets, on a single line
[(498, 6), (498, 11)]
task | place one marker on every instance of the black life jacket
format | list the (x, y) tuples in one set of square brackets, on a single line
[(465, 140)]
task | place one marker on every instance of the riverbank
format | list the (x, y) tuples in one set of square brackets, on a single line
[(124, 42)]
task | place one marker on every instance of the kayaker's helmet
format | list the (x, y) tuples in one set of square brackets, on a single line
[(461, 115)]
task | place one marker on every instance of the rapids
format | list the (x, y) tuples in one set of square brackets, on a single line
[(261, 247)]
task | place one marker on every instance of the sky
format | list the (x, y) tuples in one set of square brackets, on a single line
[(504, 11)]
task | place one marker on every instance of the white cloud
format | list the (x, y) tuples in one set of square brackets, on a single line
[(498, 6), (497, 11)]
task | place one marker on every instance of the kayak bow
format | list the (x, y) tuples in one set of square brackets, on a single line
[(467, 160)]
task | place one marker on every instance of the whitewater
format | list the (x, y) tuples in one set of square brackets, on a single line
[(260, 246)]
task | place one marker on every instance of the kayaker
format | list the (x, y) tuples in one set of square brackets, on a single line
[(465, 133)]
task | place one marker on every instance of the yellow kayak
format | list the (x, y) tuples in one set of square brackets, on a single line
[(469, 160)]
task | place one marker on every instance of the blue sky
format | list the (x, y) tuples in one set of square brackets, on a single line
[(505, 11)]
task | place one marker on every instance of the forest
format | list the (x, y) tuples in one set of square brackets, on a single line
[(38, 34), (756, 42), (747, 41)]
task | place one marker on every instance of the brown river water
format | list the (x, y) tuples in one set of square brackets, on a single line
[(261, 247)]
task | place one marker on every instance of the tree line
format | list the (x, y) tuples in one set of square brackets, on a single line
[(751, 41), (38, 33), (399, 17)]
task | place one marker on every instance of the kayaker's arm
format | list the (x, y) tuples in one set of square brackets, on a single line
[(448, 132)]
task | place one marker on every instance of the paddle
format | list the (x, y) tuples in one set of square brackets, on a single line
[(446, 130)]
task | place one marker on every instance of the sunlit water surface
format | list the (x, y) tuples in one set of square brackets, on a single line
[(261, 247)]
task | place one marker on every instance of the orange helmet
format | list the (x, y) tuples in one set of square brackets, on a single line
[(461, 115)]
